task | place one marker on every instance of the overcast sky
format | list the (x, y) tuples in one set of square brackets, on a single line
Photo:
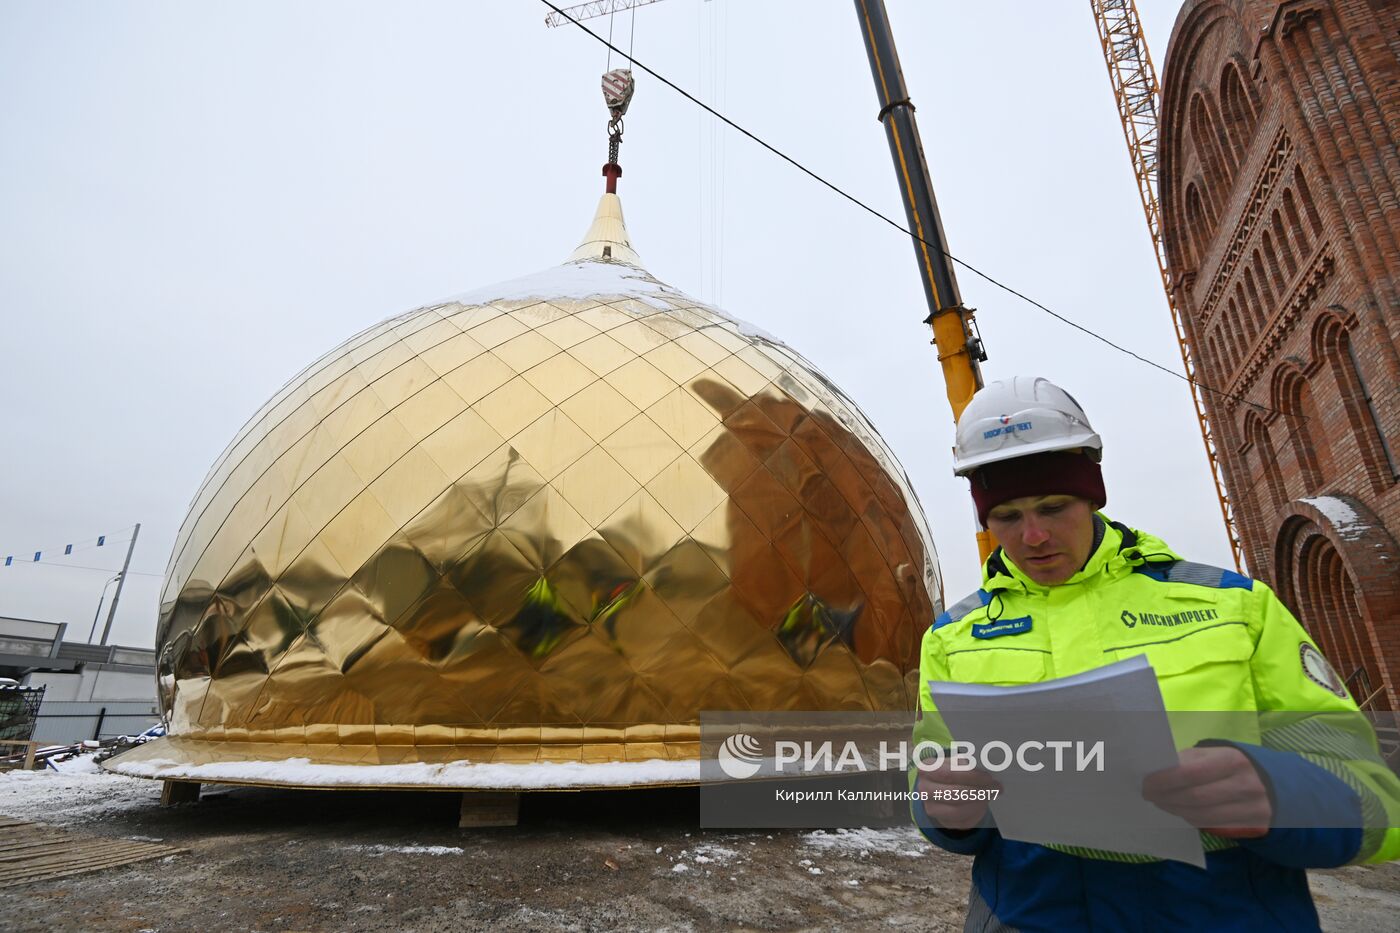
[(197, 199)]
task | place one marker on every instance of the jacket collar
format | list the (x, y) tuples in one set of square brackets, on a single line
[(1120, 550)]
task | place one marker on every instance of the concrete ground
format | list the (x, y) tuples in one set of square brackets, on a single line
[(278, 860)]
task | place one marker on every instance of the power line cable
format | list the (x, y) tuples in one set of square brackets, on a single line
[(68, 548), (63, 566), (104, 540), (906, 231)]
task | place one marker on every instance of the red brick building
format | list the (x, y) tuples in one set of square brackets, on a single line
[(1280, 187)]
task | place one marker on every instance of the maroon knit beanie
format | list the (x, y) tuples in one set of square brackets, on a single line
[(1057, 473)]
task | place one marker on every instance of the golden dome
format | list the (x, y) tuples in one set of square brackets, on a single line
[(549, 521)]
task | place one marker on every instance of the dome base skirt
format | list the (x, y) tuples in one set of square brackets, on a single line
[(410, 767)]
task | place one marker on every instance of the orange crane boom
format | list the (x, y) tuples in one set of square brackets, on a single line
[(1137, 94)]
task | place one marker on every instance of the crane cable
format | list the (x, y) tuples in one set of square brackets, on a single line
[(608, 65), (909, 233)]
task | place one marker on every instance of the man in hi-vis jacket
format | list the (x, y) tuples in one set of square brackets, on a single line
[(1069, 589)]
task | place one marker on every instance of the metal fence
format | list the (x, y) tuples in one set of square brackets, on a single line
[(62, 722)]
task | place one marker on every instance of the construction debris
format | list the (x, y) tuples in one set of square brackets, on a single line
[(37, 852), (52, 756)]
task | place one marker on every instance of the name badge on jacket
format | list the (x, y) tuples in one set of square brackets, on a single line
[(1001, 627)]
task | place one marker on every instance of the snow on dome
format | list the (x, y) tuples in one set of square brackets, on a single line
[(579, 280)]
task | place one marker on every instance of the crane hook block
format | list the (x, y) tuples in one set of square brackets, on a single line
[(618, 86)]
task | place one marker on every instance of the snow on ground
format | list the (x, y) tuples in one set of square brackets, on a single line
[(837, 844), (703, 855), (83, 764), (899, 840), (379, 850), (716, 855), (73, 796), (834, 844)]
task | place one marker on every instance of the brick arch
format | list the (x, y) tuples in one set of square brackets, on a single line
[(1183, 157), (1300, 184), (1237, 111), (1327, 329), (1259, 307), (1200, 226), (1332, 345), (1338, 570), (1212, 360), (1290, 394), (1288, 259), (1303, 238), (1230, 330), (1254, 92), (1254, 510), (1248, 317), (1208, 139), (1271, 261), (1256, 435), (1266, 288), (1284, 244)]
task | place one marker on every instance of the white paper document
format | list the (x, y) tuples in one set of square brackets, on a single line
[(1107, 729)]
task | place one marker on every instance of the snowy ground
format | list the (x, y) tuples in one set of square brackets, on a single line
[(264, 859)]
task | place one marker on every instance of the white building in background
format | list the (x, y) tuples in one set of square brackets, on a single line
[(91, 691)]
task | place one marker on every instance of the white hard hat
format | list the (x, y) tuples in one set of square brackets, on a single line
[(1019, 417)]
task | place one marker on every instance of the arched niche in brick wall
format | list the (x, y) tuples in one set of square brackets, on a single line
[(1291, 394), (1266, 477), (1238, 113), (1200, 225), (1212, 149), (1338, 569), (1332, 343), (1211, 108)]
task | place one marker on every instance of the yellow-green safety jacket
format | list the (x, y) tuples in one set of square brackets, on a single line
[(1218, 641)]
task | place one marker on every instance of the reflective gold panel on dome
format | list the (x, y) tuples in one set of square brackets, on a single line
[(550, 521)]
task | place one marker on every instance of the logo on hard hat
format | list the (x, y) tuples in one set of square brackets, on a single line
[(1007, 428)]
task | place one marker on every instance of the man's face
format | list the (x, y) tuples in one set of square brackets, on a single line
[(1048, 537)]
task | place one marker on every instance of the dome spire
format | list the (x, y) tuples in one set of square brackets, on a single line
[(607, 238)]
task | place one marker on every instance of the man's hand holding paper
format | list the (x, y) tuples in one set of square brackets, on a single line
[(1215, 788)]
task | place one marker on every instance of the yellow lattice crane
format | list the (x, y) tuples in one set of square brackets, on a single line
[(1137, 93)]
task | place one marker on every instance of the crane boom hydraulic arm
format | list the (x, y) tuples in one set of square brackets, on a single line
[(959, 351)]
